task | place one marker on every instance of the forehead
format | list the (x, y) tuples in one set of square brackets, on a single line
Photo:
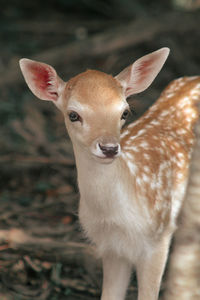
[(94, 88)]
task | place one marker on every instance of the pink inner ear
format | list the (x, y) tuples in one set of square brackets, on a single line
[(137, 77), (43, 76), (144, 68), (141, 72)]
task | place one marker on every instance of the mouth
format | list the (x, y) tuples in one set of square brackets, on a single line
[(104, 159)]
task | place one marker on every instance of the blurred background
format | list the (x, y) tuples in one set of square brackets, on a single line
[(43, 254)]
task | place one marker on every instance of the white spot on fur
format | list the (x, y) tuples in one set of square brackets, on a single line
[(194, 115), (164, 113), (132, 167), (188, 110), (155, 122), (188, 119), (193, 92), (126, 132), (181, 131), (192, 78), (145, 178), (149, 126), (146, 169), (170, 95), (147, 156), (180, 175), (180, 155), (195, 97), (181, 163), (134, 123), (134, 148), (144, 145), (138, 180), (153, 184), (181, 104), (185, 100), (141, 131), (129, 156), (128, 142), (163, 143), (132, 137)]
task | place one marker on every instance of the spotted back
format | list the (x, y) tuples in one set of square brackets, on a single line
[(157, 148)]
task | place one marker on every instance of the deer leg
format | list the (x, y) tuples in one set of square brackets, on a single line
[(116, 276), (150, 268)]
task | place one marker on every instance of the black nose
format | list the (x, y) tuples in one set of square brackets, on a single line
[(109, 151)]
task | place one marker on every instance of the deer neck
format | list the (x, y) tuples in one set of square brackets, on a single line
[(86, 164), (95, 177)]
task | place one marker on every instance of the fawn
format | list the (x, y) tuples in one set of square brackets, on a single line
[(132, 180)]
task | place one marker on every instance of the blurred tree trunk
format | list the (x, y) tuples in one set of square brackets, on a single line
[(184, 267)]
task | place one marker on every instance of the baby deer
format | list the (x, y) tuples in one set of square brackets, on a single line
[(132, 181)]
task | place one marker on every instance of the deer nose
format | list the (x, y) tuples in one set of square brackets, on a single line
[(108, 150)]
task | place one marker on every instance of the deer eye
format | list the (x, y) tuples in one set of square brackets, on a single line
[(125, 115), (73, 116)]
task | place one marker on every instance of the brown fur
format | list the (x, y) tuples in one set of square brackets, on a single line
[(94, 88), (165, 135)]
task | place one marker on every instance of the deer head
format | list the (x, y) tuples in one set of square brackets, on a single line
[(94, 104)]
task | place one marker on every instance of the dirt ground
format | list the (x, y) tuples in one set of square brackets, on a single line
[(43, 254)]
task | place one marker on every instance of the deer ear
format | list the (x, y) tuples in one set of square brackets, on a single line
[(41, 78), (138, 76)]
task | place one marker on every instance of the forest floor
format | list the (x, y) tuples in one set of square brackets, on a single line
[(43, 254)]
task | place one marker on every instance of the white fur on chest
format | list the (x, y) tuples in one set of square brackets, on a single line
[(109, 213)]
